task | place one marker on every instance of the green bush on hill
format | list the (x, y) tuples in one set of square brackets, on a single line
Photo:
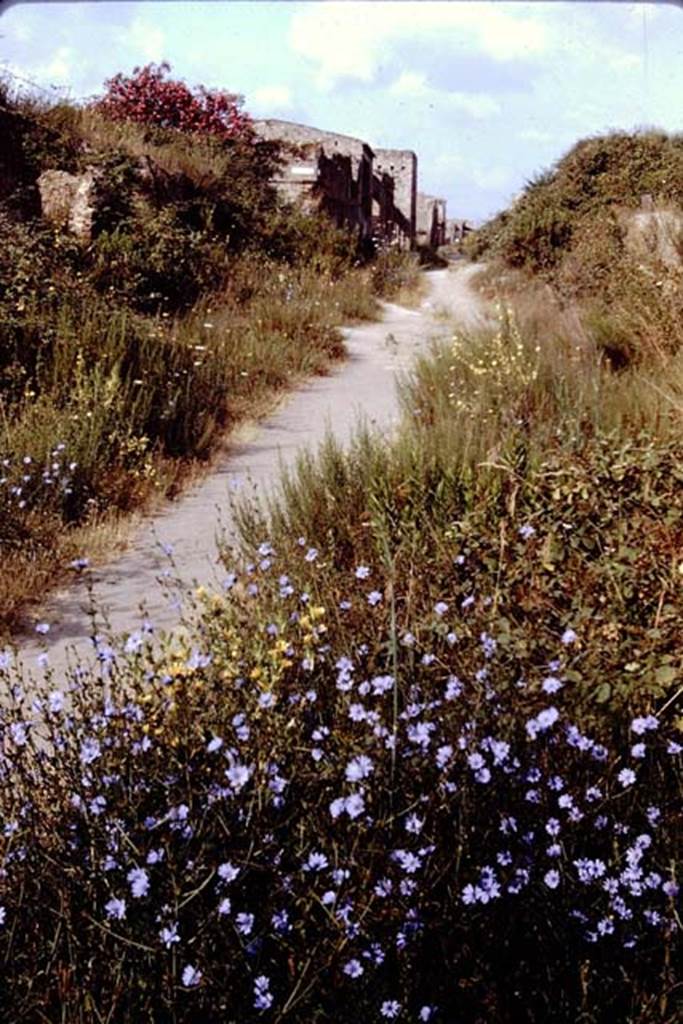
[(581, 227), (575, 206)]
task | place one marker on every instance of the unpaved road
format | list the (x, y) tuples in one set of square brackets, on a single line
[(364, 385)]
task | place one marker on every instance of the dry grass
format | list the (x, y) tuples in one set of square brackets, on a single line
[(200, 162), (639, 322), (413, 293)]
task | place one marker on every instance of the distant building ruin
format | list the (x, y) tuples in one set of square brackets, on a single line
[(457, 231), (371, 192), (431, 221)]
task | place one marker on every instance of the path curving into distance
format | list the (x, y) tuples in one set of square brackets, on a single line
[(362, 386)]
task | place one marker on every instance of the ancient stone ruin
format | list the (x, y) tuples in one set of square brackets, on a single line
[(431, 221), (69, 201), (654, 234), (371, 191), (400, 165), (325, 170)]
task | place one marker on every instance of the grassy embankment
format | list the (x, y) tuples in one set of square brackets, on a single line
[(420, 760), (124, 361), (598, 237)]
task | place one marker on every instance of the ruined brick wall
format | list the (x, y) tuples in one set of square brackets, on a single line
[(383, 209), (456, 230), (297, 180), (441, 221), (401, 165), (383, 200), (335, 187), (431, 220), (346, 196)]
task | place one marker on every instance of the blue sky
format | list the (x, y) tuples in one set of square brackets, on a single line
[(486, 93)]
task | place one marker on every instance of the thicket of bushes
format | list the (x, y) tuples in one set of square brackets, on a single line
[(572, 227), (575, 206)]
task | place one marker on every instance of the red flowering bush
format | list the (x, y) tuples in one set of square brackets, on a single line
[(149, 97)]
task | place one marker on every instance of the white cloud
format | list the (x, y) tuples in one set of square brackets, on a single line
[(477, 105), (271, 97), (639, 14), (409, 84), (412, 85), (59, 68), (505, 36), (621, 60), (448, 163), (350, 40), (21, 33), (147, 39), (329, 36)]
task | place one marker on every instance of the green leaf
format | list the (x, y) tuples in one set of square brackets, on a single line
[(603, 693), (666, 674)]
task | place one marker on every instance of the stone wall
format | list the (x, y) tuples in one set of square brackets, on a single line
[(326, 169), (380, 197), (654, 234), (383, 209), (69, 201), (431, 221), (457, 230), (401, 165)]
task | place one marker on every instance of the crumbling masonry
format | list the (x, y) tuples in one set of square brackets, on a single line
[(431, 221), (373, 192)]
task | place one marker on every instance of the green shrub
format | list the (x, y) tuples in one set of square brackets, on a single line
[(564, 224), (154, 260)]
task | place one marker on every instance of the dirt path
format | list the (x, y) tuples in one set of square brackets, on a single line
[(363, 385)]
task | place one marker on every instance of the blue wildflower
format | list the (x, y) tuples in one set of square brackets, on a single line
[(390, 1009), (263, 998), (353, 968), (191, 976), (139, 882), (169, 935), (115, 909)]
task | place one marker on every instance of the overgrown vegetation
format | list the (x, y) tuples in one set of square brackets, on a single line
[(576, 204), (419, 760), (126, 357), (582, 227)]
